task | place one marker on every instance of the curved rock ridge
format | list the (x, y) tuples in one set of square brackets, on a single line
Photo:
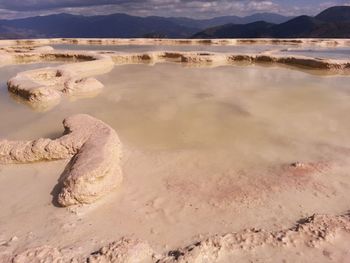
[(222, 59), (309, 233), (45, 86), (94, 169)]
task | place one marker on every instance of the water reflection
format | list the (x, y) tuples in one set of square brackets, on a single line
[(254, 113)]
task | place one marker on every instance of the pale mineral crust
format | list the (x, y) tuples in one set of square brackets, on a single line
[(310, 233), (46, 85), (155, 41), (95, 149), (44, 254), (124, 251)]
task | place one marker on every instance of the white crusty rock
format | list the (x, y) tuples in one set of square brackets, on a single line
[(169, 42), (45, 86), (311, 233), (94, 169), (124, 251), (44, 254)]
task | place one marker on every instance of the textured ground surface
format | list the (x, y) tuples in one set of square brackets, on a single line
[(318, 236)]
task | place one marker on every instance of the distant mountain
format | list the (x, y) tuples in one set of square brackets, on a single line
[(250, 30), (302, 26), (267, 17), (217, 21), (11, 33), (335, 14), (118, 25), (331, 23), (305, 26)]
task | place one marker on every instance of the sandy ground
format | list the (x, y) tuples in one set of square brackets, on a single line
[(206, 152)]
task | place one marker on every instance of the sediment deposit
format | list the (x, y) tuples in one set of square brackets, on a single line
[(94, 169), (309, 237)]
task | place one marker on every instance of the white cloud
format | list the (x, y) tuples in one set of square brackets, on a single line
[(190, 8)]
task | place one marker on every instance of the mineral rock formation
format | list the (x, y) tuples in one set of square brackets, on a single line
[(124, 251), (46, 85), (308, 233), (311, 234), (94, 169), (169, 42), (38, 255)]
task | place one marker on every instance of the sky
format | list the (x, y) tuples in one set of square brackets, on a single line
[(10, 9)]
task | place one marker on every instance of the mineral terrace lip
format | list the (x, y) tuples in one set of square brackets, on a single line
[(173, 155)]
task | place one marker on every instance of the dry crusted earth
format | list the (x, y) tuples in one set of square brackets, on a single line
[(321, 237)]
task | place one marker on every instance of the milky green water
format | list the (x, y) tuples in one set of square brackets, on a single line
[(253, 113)]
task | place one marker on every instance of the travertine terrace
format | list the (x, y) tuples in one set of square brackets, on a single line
[(187, 201), (43, 88)]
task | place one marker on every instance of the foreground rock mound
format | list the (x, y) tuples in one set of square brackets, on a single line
[(94, 169), (309, 234), (315, 236)]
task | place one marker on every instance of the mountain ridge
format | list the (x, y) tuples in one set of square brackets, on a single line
[(117, 25), (332, 22)]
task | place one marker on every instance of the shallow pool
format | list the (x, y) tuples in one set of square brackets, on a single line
[(255, 113)]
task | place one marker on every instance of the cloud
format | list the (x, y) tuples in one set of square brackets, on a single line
[(327, 4), (144, 7), (191, 8)]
